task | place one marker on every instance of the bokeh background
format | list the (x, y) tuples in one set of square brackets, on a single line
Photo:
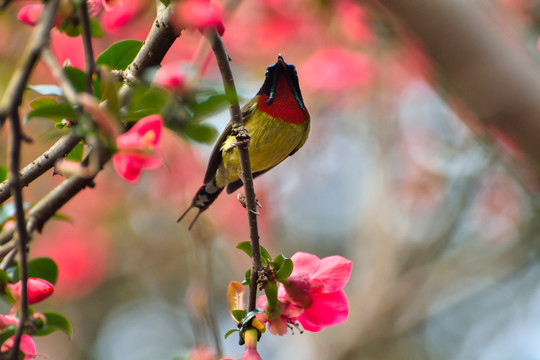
[(440, 224)]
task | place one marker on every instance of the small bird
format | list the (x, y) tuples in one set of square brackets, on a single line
[(278, 123)]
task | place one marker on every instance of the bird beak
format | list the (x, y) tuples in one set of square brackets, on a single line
[(281, 62)]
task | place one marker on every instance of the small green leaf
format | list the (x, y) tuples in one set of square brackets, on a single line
[(147, 101), (285, 270), (232, 331), (43, 268), (76, 77), (95, 29), (62, 217), (210, 105), (278, 261), (69, 28), (8, 332), (42, 102), (245, 246), (119, 55), (47, 89), (201, 133), (247, 278), (3, 173), (4, 279), (238, 315), (54, 112), (53, 323), (76, 154)]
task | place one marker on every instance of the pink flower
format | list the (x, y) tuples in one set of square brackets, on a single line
[(38, 290), (27, 346), (171, 77), (199, 14), (138, 148), (30, 14), (202, 352), (120, 12), (317, 285), (313, 295)]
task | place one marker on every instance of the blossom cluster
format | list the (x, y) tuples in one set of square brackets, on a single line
[(312, 296)]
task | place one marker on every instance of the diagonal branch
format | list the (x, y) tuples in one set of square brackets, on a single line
[(247, 176)]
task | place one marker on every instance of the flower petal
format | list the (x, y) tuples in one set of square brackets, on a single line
[(334, 272), (327, 309), (126, 167), (149, 123), (304, 263)]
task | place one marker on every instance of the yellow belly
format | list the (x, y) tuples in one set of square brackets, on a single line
[(272, 140)]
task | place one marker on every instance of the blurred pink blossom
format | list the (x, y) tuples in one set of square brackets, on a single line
[(27, 346), (199, 14), (171, 77), (30, 14), (138, 148)]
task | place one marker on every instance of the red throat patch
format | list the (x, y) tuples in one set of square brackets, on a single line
[(284, 105)]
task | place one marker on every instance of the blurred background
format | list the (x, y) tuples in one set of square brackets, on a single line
[(439, 221)]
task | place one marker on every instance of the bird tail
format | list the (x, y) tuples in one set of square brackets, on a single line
[(206, 195)]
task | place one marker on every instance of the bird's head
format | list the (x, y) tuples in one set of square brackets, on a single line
[(280, 93)]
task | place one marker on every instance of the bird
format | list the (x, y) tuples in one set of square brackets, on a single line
[(278, 124)]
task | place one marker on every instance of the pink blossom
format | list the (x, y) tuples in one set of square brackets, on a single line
[(317, 285), (313, 295), (171, 77), (30, 14), (251, 338), (199, 14), (120, 12), (38, 290), (202, 352), (138, 148), (27, 346)]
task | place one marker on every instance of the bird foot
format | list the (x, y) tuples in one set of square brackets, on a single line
[(242, 137), (242, 199)]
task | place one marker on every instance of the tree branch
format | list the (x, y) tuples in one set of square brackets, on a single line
[(41, 165), (89, 63), (16, 140), (247, 176)]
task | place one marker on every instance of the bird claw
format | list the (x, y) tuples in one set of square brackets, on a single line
[(242, 199)]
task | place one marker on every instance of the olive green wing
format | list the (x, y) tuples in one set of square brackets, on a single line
[(238, 183), (216, 156)]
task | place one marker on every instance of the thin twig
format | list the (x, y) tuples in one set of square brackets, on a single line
[(89, 63), (247, 176), (41, 165), (15, 160), (19, 80)]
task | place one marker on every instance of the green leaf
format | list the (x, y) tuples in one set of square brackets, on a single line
[(211, 104), (285, 270), (147, 101), (201, 133), (4, 279), (43, 268), (76, 77), (247, 277), (95, 29), (245, 246), (238, 315), (3, 173), (8, 332), (119, 55), (76, 154), (69, 28), (53, 323), (42, 102), (232, 331), (54, 112), (47, 89), (62, 217)]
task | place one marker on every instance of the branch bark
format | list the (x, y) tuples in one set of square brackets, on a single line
[(242, 140)]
